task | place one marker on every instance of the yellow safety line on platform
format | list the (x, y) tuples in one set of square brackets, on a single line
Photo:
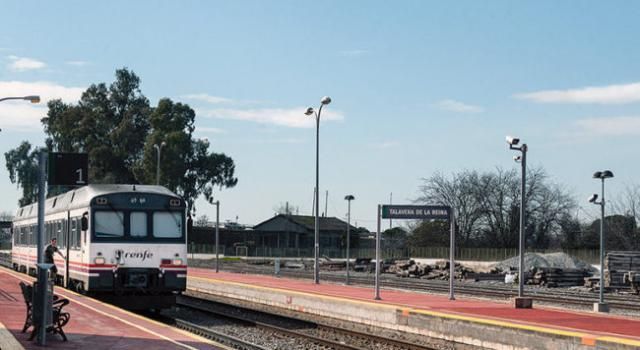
[(486, 321), (7, 340), (186, 346)]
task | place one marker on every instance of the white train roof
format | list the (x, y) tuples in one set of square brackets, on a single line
[(81, 197)]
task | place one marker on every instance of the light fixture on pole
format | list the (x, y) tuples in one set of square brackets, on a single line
[(316, 247), (601, 306), (158, 151), (348, 198), (31, 98), (521, 302)]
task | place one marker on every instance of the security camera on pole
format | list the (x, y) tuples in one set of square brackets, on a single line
[(521, 302), (601, 306), (316, 247)]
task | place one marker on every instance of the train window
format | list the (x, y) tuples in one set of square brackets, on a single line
[(73, 233), (138, 224), (78, 242), (109, 224), (167, 224)]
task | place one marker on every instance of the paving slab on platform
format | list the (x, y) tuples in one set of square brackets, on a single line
[(94, 325), (480, 323)]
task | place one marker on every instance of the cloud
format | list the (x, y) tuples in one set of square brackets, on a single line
[(292, 117), (46, 90), (208, 98), (457, 106), (353, 53), (209, 130), (25, 116), (612, 126), (77, 63), (21, 64), (21, 116), (609, 94)]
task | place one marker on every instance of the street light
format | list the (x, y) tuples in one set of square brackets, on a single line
[(159, 150), (316, 248), (217, 204), (521, 301), (601, 306), (32, 98), (348, 198)]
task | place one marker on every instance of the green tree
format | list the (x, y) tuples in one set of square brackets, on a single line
[(117, 128), (110, 124), (186, 166), (430, 234), (22, 164)]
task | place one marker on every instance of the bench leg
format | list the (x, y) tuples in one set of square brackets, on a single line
[(33, 333)]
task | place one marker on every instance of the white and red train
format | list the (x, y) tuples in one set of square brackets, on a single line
[(124, 243)]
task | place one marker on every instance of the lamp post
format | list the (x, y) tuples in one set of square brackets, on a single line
[(521, 302), (316, 247), (348, 198), (158, 151), (601, 306), (217, 204), (32, 98)]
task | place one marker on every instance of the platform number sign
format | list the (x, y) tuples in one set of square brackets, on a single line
[(68, 169)]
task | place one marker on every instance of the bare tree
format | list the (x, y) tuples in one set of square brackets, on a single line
[(286, 208), (488, 205), (628, 202)]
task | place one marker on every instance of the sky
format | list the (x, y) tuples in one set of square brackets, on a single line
[(417, 87)]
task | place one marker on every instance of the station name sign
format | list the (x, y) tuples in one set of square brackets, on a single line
[(423, 212)]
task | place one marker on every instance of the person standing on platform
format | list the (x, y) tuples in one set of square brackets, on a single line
[(48, 256)]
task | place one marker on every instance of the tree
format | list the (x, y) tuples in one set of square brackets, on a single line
[(430, 234), (22, 164), (395, 238), (487, 206), (286, 209), (117, 127), (202, 221), (186, 166)]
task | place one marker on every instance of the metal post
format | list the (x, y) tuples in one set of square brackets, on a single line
[(377, 279), (452, 252), (522, 221), (42, 163), (217, 233), (390, 203), (42, 293), (316, 246), (601, 296), (158, 167), (348, 235)]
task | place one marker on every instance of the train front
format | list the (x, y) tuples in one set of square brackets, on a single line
[(138, 251)]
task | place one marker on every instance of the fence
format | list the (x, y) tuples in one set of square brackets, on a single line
[(477, 254)]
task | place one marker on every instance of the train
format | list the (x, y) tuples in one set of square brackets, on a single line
[(126, 244)]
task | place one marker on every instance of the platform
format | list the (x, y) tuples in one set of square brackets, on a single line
[(94, 325), (465, 321)]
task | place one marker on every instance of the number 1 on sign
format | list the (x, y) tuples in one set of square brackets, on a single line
[(79, 172)]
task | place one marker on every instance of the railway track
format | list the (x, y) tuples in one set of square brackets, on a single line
[(322, 336), (552, 296)]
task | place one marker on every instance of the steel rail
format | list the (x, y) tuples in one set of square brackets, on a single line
[(317, 340)]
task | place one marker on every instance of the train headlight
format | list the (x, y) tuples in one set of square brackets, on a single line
[(99, 260), (177, 261)]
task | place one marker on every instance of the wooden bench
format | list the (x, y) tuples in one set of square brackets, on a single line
[(59, 319)]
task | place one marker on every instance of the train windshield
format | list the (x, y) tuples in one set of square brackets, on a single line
[(167, 224), (109, 224), (138, 225)]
